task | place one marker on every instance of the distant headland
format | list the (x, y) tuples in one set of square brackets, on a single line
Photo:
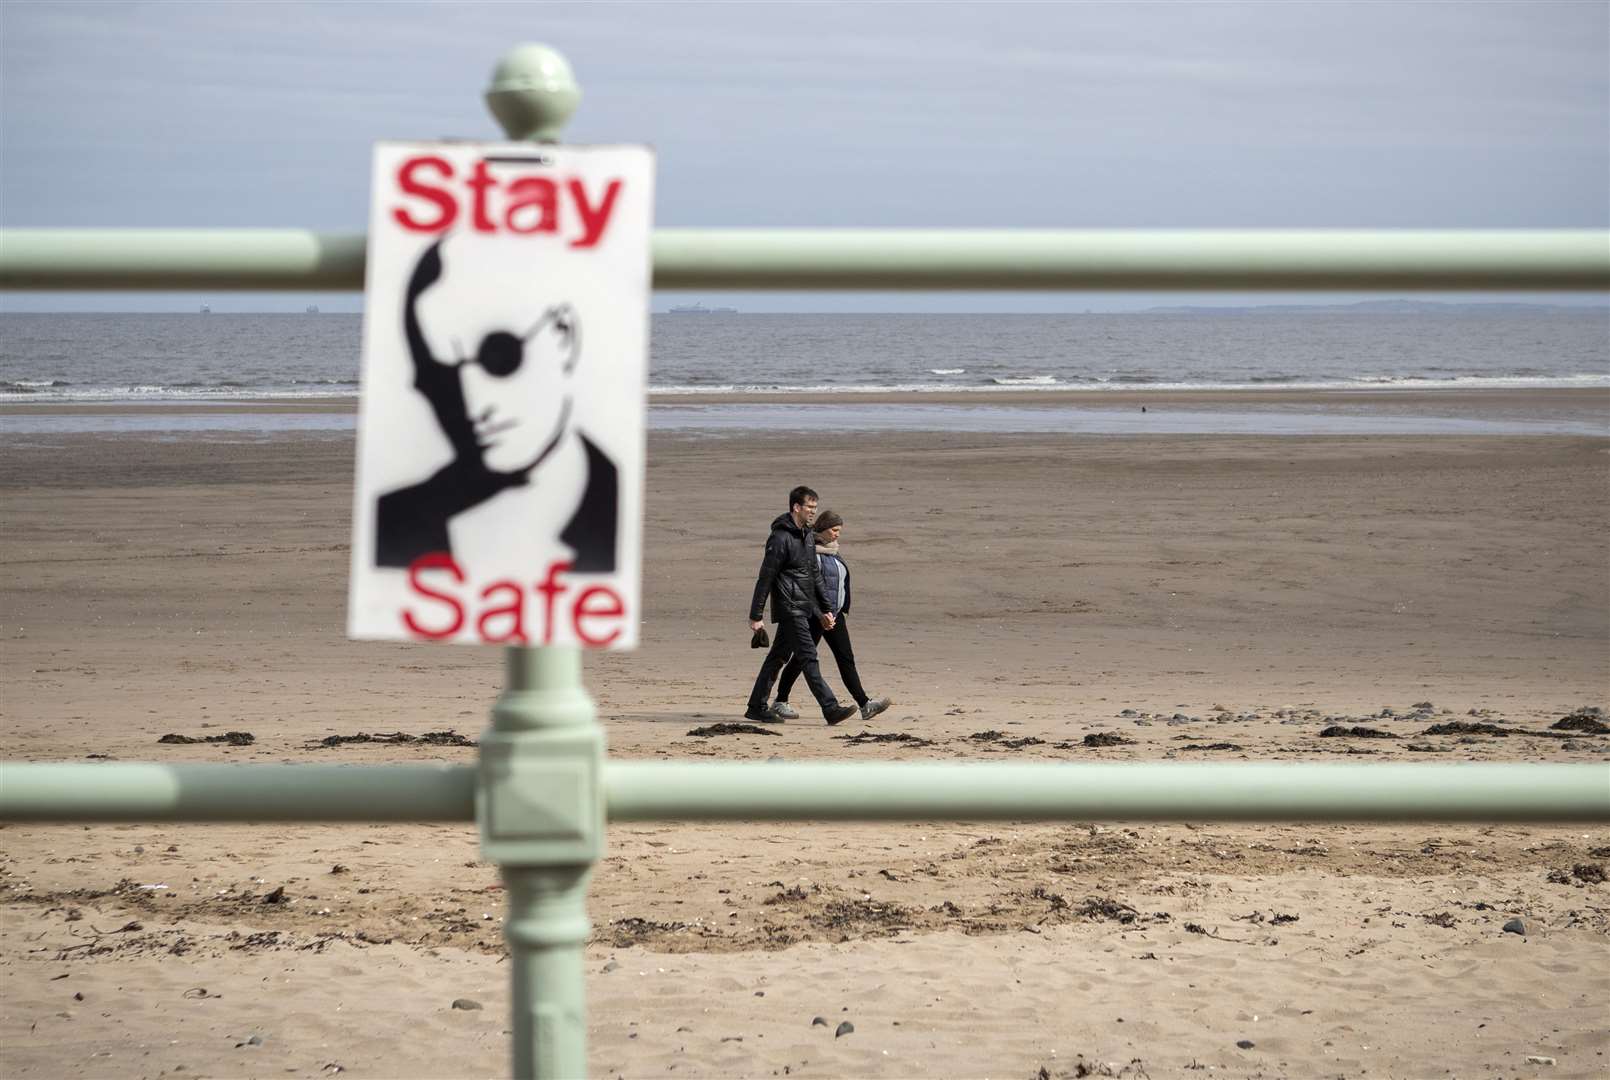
[(1388, 307)]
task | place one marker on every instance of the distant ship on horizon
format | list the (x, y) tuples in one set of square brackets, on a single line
[(312, 309), (700, 309), (205, 310)]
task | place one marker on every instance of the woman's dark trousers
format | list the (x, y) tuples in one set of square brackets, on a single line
[(796, 637), (838, 639)]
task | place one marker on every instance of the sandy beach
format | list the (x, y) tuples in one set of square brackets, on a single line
[(1188, 597)]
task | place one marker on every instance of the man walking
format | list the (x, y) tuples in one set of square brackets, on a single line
[(791, 577)]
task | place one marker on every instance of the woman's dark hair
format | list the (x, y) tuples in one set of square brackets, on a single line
[(799, 495), (826, 520)]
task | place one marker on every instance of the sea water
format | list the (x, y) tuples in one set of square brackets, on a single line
[(242, 358)]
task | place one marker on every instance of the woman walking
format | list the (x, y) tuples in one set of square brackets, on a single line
[(836, 583)]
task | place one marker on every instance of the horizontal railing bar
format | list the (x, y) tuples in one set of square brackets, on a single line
[(865, 259), (1154, 791), (823, 791), (212, 259), (131, 791), (1129, 259)]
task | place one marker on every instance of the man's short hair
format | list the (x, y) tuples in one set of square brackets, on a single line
[(798, 496)]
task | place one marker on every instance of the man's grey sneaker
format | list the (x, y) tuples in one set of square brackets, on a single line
[(837, 714), (875, 706), (782, 710)]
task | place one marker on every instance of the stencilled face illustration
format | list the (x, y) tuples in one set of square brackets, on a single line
[(516, 389), (512, 357)]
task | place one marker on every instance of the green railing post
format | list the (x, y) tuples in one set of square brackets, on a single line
[(540, 800), (540, 803)]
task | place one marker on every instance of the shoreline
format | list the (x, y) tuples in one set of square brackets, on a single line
[(1592, 399)]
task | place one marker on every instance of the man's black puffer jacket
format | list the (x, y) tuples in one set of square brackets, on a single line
[(788, 572)]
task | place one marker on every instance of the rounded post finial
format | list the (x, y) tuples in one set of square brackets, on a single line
[(533, 93)]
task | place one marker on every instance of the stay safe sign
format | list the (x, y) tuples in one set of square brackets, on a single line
[(499, 494)]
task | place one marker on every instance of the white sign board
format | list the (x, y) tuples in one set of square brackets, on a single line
[(499, 494)]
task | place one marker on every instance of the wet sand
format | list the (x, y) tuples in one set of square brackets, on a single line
[(1196, 597), (1591, 403)]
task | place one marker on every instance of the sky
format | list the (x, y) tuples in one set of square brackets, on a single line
[(1005, 115)]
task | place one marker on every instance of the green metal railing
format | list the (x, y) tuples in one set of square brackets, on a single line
[(296, 259), (543, 789), (836, 791)]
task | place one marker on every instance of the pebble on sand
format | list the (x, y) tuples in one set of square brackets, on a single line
[(1245, 1044), (843, 1029), (466, 1004), (1515, 926)]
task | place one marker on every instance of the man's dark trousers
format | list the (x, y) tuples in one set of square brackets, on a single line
[(793, 639), (838, 639)]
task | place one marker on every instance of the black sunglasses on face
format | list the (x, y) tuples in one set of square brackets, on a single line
[(501, 353)]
